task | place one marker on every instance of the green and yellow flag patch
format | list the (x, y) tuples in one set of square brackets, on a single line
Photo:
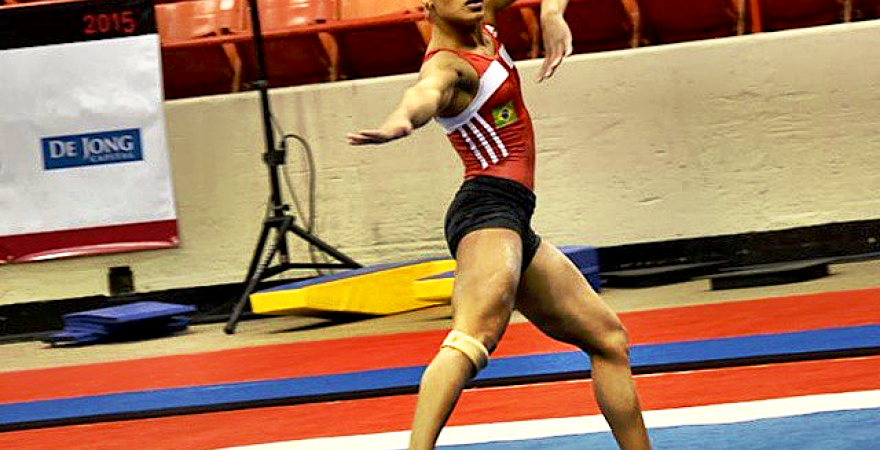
[(504, 115)]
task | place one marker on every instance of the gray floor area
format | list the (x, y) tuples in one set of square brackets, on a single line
[(286, 329)]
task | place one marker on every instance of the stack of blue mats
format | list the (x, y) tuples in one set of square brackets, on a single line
[(127, 322)]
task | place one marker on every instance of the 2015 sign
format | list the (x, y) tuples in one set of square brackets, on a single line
[(115, 22)]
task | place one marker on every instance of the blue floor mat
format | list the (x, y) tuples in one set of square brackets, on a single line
[(836, 430), (518, 369)]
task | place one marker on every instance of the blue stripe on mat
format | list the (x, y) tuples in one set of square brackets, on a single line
[(852, 430), (693, 354), (645, 358), (439, 276)]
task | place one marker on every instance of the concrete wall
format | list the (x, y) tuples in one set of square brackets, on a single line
[(735, 135)]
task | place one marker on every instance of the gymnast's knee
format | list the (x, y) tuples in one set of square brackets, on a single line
[(612, 343), (470, 347)]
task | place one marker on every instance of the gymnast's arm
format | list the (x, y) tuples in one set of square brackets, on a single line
[(433, 93), (556, 35)]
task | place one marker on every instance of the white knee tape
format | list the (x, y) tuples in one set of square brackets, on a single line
[(472, 348)]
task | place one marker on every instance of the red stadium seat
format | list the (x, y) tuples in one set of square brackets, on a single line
[(196, 58), (285, 14), (185, 20), (359, 9), (866, 9), (668, 21), (786, 14), (297, 47), (598, 25), (380, 45), (293, 57), (200, 67), (190, 19)]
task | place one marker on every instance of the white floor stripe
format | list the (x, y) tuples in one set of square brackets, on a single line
[(544, 428)]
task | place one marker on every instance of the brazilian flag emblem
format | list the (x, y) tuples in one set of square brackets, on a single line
[(504, 115)]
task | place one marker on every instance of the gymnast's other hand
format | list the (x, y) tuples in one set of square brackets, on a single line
[(391, 130), (557, 42)]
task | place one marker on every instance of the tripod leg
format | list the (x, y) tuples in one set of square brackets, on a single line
[(258, 251), (317, 242), (255, 272)]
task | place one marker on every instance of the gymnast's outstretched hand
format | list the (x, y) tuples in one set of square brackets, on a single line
[(556, 35), (391, 130)]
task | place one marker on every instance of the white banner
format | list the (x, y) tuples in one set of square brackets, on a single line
[(83, 157)]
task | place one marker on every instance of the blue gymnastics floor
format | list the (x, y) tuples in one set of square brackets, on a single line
[(836, 430)]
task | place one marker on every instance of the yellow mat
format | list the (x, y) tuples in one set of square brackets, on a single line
[(377, 290), (438, 289)]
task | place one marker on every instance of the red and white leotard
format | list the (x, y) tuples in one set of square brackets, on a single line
[(493, 135)]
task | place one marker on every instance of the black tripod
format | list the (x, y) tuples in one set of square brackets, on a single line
[(277, 219)]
